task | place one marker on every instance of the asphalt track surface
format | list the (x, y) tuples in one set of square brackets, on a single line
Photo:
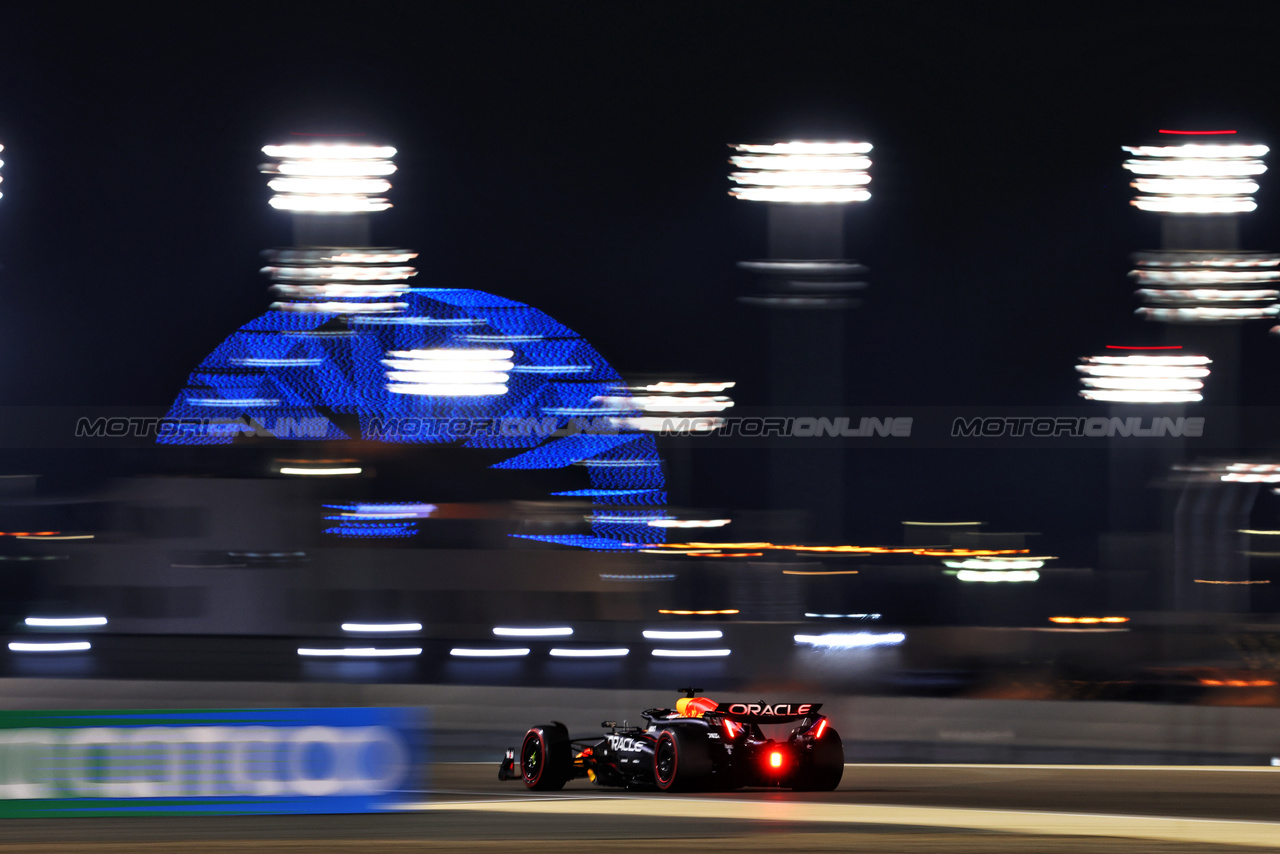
[(878, 808)]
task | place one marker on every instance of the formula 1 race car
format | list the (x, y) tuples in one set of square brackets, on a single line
[(700, 745)]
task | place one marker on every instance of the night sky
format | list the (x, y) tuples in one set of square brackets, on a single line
[(572, 155)]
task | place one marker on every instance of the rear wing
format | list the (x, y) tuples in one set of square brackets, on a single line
[(768, 713)]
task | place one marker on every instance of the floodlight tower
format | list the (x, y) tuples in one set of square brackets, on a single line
[(1200, 183), (331, 188), (1203, 287), (805, 283)]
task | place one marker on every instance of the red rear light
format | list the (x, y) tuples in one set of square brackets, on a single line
[(775, 759), (588, 752), (820, 729), (732, 728)]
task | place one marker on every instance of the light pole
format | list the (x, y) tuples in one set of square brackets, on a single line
[(805, 284)]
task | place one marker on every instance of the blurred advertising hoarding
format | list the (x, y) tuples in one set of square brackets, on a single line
[(174, 762)]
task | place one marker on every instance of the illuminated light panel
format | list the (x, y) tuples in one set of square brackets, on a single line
[(641, 577), (1254, 581), (1196, 132), (775, 759), (343, 273), (382, 627), (1, 164), (63, 646), (690, 653), (851, 640), (339, 307), (1023, 562), (337, 471), (997, 575), (1087, 620), (937, 524), (844, 616), (375, 512), (666, 403), (702, 634), (820, 572), (466, 652), (1241, 683), (361, 652), (518, 632), (801, 172), (1208, 294), (686, 388), (613, 652), (65, 622), (1258, 533), (451, 372), (683, 613), (688, 523), (1143, 379), (330, 186)]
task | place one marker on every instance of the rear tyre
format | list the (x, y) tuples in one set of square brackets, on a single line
[(825, 767), (681, 760), (546, 759)]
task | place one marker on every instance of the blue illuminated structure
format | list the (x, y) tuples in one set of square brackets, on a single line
[(350, 317)]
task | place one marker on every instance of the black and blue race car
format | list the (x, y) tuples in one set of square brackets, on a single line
[(699, 745)]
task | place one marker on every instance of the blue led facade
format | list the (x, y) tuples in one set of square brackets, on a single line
[(309, 367)]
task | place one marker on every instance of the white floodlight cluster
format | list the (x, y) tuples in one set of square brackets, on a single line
[(449, 372), (1196, 177), (802, 172), (662, 404), (1143, 379), (329, 178), (997, 568), (340, 281), (1252, 473), (1190, 286)]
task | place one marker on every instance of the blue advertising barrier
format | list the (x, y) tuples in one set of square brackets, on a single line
[(181, 762)]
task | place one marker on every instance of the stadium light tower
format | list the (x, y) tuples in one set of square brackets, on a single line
[(330, 188), (804, 283)]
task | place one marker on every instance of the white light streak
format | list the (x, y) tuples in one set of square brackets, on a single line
[(801, 195), (845, 616), (702, 634), (690, 653), (996, 575), (382, 627), (330, 186), (1194, 204), (329, 204), (692, 388), (688, 523), (995, 563), (806, 148), (615, 652), (464, 652), (329, 151), (321, 472), (339, 307), (852, 640), (66, 646), (1201, 313), (63, 622), (522, 632), (361, 652)]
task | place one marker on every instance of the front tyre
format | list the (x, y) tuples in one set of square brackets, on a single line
[(546, 758), (681, 760), (825, 765)]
